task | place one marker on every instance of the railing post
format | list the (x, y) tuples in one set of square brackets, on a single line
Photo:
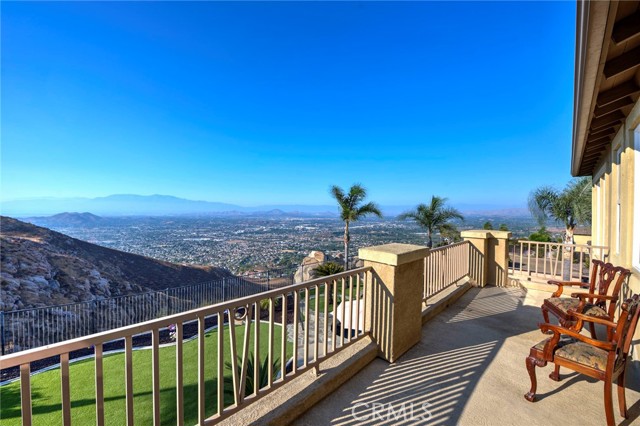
[(489, 256), (394, 296)]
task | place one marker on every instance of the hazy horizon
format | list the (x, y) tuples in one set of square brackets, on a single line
[(133, 204)]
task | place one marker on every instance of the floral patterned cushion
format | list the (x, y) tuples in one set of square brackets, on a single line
[(566, 303), (577, 351), (585, 354)]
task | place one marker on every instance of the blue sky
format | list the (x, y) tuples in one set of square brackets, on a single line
[(263, 103)]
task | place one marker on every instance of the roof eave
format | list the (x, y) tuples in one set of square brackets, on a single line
[(591, 27)]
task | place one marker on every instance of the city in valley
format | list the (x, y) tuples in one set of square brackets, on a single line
[(248, 243)]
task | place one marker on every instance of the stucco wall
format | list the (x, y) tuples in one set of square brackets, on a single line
[(615, 176)]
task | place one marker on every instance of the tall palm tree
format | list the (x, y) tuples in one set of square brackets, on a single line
[(351, 210), (434, 217), (571, 206)]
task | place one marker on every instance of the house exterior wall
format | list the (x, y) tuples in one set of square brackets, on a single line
[(616, 185)]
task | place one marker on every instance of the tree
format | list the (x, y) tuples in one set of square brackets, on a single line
[(450, 236), (351, 210), (541, 235), (503, 227), (571, 206), (326, 269), (434, 217), (488, 226)]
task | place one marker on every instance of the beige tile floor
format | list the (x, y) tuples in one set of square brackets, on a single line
[(469, 369)]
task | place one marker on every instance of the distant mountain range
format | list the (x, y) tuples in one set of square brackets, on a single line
[(41, 267), (166, 205)]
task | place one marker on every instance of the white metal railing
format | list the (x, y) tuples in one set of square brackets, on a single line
[(553, 261), (445, 266), (299, 306)]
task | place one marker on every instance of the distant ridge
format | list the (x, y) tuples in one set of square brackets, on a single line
[(150, 205), (167, 205), (42, 267)]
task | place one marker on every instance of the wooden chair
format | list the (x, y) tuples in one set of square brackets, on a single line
[(604, 289), (603, 360)]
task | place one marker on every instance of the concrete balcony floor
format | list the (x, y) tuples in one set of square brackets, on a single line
[(469, 369)]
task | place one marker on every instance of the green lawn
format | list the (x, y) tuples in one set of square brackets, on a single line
[(45, 387)]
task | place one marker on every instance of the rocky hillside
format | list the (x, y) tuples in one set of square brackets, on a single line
[(41, 267)]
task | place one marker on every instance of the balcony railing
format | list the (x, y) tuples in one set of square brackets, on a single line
[(308, 313), (553, 261), (445, 266)]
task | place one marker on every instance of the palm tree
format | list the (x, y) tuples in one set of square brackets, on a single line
[(326, 269), (571, 206), (352, 210), (434, 217)]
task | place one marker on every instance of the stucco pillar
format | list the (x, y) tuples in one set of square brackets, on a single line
[(394, 296), (489, 262)]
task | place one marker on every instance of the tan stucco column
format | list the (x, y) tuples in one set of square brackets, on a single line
[(489, 258), (395, 296)]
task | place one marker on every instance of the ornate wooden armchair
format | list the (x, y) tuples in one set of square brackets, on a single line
[(603, 360), (604, 289)]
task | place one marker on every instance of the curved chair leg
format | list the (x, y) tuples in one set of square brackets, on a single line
[(622, 400), (531, 363), (608, 403), (592, 330), (555, 376)]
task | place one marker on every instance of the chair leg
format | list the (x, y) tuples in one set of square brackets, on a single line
[(555, 376), (608, 403), (592, 329), (622, 400), (531, 363)]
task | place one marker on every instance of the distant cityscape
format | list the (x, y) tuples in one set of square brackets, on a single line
[(244, 244)]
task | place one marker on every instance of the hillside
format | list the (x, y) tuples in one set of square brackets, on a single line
[(41, 267), (85, 220)]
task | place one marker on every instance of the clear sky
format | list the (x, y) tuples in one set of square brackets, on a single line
[(264, 103)]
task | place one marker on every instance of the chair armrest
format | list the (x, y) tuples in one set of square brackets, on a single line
[(562, 284), (593, 296), (589, 318), (558, 331)]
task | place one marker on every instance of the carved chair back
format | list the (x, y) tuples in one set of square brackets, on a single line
[(606, 279), (626, 328)]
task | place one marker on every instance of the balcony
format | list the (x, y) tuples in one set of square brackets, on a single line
[(469, 370), (412, 333)]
